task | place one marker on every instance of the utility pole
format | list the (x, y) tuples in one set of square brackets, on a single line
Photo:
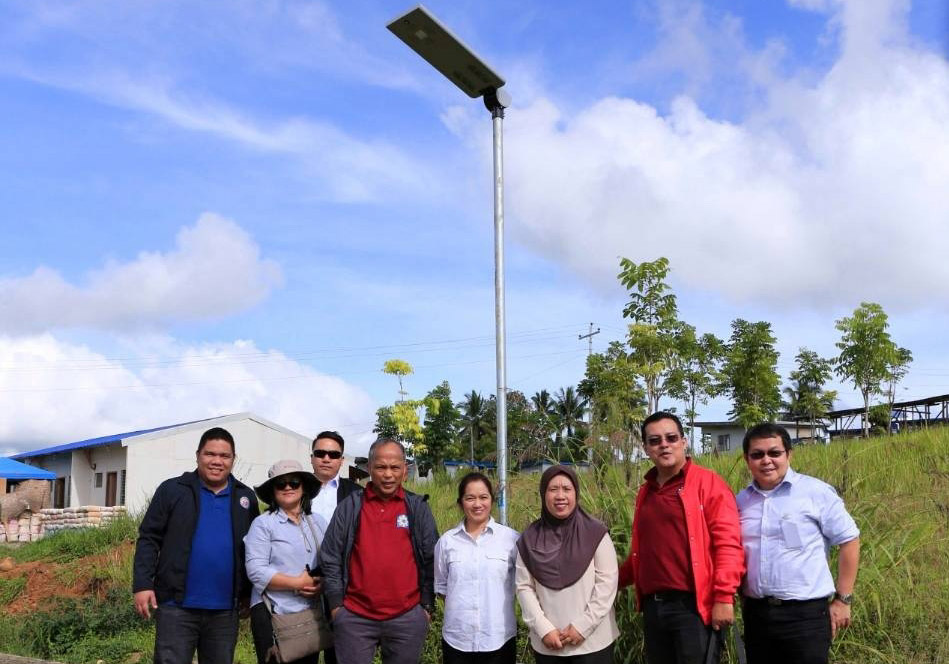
[(589, 337)]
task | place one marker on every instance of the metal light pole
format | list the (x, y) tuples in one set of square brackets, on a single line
[(425, 35)]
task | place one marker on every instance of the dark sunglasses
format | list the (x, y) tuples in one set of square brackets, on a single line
[(293, 483), (332, 454), (670, 438), (758, 455)]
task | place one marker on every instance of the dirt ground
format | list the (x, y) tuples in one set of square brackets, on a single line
[(48, 581)]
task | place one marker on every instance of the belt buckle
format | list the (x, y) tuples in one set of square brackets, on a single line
[(657, 597)]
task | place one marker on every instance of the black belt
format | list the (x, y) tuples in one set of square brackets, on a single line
[(670, 596), (775, 601)]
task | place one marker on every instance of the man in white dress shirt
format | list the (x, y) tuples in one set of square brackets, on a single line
[(792, 608)]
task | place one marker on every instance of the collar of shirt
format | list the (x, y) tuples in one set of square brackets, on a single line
[(372, 495), (459, 530), (223, 492), (332, 484), (653, 473), (790, 477)]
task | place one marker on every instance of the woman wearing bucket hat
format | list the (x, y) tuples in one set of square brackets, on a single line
[(281, 553)]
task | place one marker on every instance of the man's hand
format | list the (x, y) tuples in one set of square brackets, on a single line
[(723, 615), (428, 616), (333, 613), (144, 602), (311, 588), (552, 640), (839, 617), (570, 636)]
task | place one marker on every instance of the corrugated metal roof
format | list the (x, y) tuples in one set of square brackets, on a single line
[(102, 440), (14, 470)]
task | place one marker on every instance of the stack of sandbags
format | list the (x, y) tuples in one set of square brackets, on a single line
[(87, 516), (23, 526)]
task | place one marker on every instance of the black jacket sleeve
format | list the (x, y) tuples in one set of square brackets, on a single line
[(428, 536), (151, 534), (333, 551)]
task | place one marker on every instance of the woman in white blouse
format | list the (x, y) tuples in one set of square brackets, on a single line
[(281, 551), (566, 577), (474, 572)]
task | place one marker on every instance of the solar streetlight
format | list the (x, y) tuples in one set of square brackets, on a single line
[(425, 35)]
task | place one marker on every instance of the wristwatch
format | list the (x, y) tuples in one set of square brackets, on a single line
[(844, 598)]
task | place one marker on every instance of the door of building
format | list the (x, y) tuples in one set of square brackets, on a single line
[(59, 493), (111, 484)]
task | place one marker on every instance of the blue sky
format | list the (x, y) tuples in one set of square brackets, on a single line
[(209, 211)]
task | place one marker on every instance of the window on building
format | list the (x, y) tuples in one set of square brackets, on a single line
[(724, 442), (98, 480), (122, 488)]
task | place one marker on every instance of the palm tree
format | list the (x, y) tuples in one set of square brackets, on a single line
[(571, 407), (545, 409), (473, 412)]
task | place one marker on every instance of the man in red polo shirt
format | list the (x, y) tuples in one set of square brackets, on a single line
[(378, 565), (685, 558)]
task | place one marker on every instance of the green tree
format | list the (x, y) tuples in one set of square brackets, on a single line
[(405, 412), (571, 406), (617, 401), (654, 313), (866, 353), (897, 368), (544, 423), (473, 420), (749, 373), (806, 397), (440, 426), (399, 369), (694, 379), (385, 423)]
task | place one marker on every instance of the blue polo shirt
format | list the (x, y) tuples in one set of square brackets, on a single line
[(210, 580)]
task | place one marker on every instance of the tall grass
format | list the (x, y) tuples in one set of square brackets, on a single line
[(896, 488)]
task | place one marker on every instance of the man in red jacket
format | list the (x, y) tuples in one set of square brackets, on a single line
[(686, 558)]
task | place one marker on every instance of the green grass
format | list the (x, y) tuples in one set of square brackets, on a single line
[(896, 488)]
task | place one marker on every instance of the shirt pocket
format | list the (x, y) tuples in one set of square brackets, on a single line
[(791, 532), (497, 566)]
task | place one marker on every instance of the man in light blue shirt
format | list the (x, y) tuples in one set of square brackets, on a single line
[(789, 521)]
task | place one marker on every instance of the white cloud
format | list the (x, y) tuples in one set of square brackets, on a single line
[(62, 392), (832, 191), (215, 270)]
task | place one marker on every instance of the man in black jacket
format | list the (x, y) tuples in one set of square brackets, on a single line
[(378, 565), (189, 557)]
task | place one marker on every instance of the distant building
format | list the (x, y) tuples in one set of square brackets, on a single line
[(453, 467), (126, 468), (727, 436), (13, 472)]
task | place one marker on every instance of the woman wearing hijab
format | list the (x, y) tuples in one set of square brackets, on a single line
[(474, 572), (281, 551), (566, 576)]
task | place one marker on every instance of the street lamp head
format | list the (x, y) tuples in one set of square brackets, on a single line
[(425, 35)]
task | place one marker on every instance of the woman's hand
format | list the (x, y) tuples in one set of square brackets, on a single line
[(552, 640), (570, 636)]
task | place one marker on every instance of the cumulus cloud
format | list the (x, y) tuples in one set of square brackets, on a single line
[(62, 392), (830, 190), (214, 270)]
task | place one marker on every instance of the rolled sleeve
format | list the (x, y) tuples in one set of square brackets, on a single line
[(836, 524)]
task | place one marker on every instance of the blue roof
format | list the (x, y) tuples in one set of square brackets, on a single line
[(14, 470), (94, 442)]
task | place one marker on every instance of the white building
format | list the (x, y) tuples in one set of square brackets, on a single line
[(727, 436), (126, 468)]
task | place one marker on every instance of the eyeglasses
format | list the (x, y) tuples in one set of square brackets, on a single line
[(292, 482), (332, 454), (669, 438), (758, 455)]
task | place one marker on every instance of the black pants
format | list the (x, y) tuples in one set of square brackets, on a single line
[(179, 632), (604, 656), (674, 631), (262, 630), (792, 632), (506, 654)]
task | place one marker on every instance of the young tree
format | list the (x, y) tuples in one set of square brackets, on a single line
[(618, 401), (897, 368), (440, 426), (399, 369), (807, 398), (404, 413), (654, 314), (866, 353), (694, 380), (750, 373)]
